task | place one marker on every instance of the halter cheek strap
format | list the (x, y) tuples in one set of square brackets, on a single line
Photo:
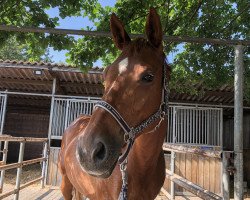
[(130, 133)]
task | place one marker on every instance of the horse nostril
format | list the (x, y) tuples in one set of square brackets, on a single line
[(99, 152)]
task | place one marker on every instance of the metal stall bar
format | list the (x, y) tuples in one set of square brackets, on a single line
[(66, 115), (52, 109), (45, 156), (3, 98), (195, 125), (4, 159), (19, 171), (50, 121), (238, 123), (221, 127), (172, 163)]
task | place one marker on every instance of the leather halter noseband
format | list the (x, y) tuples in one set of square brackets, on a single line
[(131, 133)]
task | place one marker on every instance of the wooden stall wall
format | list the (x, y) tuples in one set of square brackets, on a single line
[(54, 176), (26, 125), (203, 171)]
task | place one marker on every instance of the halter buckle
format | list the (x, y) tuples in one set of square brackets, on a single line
[(163, 107), (129, 135), (163, 114)]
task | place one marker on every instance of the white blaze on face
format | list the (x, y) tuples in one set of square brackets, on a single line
[(123, 65)]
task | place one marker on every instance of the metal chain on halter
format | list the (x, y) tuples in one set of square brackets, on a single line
[(166, 88), (124, 190)]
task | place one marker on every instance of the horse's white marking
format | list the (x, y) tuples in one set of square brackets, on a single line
[(123, 65)]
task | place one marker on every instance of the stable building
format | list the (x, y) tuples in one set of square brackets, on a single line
[(42, 99)]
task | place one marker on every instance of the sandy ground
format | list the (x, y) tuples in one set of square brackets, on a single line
[(29, 173), (32, 172)]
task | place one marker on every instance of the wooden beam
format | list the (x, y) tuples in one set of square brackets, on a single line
[(205, 94), (24, 81), (89, 85), (48, 66), (224, 94), (200, 102), (209, 151), (191, 187), (166, 193), (23, 139)]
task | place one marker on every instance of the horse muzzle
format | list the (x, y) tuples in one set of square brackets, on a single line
[(98, 156)]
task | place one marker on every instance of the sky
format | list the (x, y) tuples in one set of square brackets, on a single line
[(78, 23), (73, 23)]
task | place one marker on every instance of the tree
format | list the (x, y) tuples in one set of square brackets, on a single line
[(13, 50), (211, 64), (32, 14)]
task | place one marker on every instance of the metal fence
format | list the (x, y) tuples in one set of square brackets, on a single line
[(186, 125), (195, 125), (3, 103), (66, 111), (21, 163)]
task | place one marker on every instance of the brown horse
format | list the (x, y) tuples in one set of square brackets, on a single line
[(92, 145)]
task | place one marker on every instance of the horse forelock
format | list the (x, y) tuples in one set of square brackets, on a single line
[(137, 45)]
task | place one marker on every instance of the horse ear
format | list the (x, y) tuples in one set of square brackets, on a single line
[(120, 36), (153, 28)]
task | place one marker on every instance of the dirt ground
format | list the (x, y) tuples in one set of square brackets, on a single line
[(33, 171), (29, 173)]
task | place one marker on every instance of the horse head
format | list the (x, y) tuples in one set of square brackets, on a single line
[(133, 86)]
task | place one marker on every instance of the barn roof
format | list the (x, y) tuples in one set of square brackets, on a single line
[(19, 76)]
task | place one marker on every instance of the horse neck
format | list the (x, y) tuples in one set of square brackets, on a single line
[(148, 147)]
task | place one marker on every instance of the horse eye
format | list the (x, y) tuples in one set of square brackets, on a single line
[(147, 78)]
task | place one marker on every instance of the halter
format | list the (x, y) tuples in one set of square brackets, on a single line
[(131, 133)]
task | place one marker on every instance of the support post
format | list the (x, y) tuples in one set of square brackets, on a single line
[(19, 171), (3, 114), (5, 151), (66, 115), (225, 182), (50, 123), (45, 153), (238, 123), (221, 129), (172, 164), (52, 109)]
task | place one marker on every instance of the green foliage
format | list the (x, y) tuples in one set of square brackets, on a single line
[(32, 14), (13, 50), (211, 64)]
